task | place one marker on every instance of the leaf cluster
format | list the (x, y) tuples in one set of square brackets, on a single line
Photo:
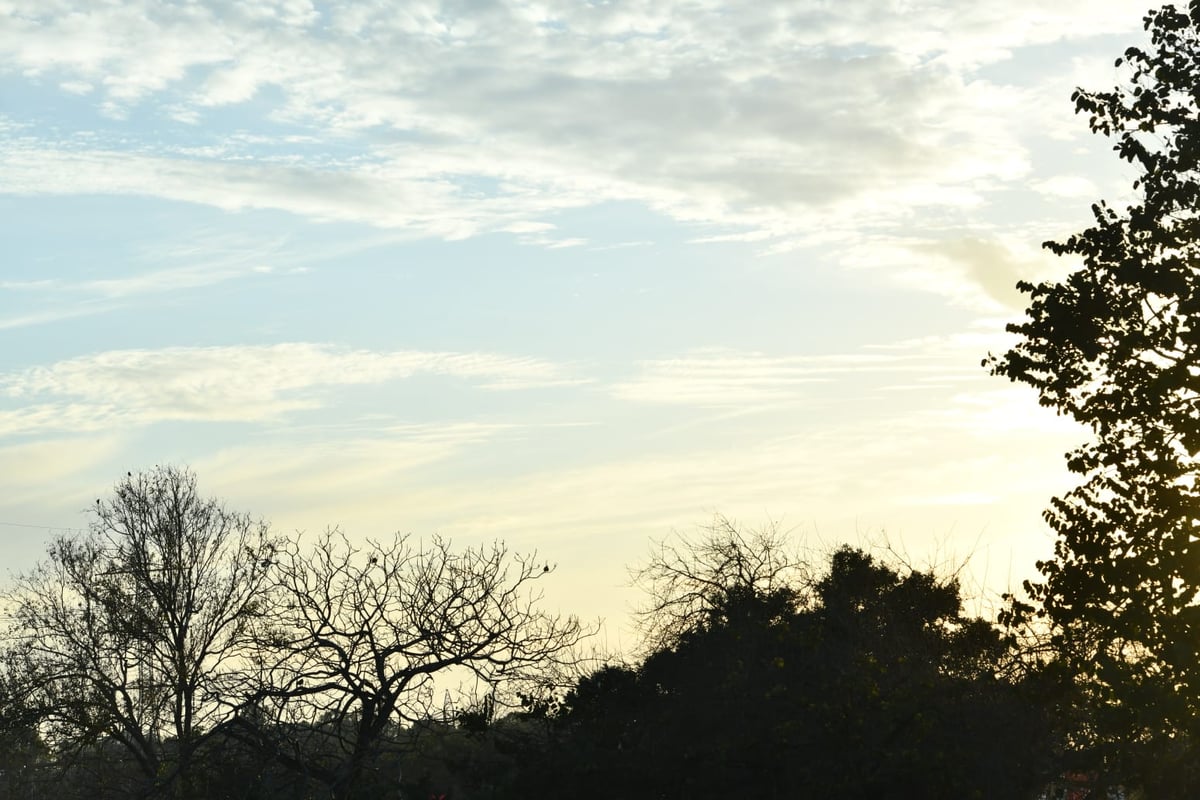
[(1116, 346)]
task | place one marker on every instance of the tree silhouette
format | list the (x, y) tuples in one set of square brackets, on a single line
[(365, 638), (867, 682), (136, 632), (690, 579), (1116, 346)]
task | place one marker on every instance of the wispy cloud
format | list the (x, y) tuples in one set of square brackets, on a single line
[(981, 271), (732, 379), (773, 121), (242, 383), (718, 378), (30, 318), (205, 258), (153, 282), (1070, 187), (922, 474), (352, 462)]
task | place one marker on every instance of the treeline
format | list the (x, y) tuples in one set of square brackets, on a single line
[(179, 649)]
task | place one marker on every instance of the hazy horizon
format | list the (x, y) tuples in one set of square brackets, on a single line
[(572, 275)]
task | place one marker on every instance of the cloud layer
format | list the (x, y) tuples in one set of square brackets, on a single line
[(788, 124), (315, 250), (238, 384)]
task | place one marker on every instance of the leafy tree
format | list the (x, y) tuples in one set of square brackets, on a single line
[(1116, 346), (136, 632), (866, 682), (912, 692)]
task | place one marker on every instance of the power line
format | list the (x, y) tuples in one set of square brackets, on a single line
[(41, 527)]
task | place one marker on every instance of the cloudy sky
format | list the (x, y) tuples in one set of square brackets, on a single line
[(569, 273)]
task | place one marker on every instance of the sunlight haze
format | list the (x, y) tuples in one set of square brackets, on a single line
[(568, 274)]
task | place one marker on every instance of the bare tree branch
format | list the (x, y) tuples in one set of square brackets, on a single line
[(363, 636), (687, 578), (136, 631)]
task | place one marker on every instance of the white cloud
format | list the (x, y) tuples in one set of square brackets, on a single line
[(877, 133), (1070, 187), (718, 379), (27, 319), (779, 122), (1006, 410), (243, 383), (525, 227), (76, 87), (322, 474), (162, 281), (722, 378)]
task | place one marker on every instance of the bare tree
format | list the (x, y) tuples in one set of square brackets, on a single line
[(366, 636), (137, 630), (690, 578)]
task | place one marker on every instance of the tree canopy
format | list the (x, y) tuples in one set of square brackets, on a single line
[(137, 631), (179, 649), (860, 679), (1116, 346)]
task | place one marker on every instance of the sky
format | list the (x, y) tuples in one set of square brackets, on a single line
[(574, 275)]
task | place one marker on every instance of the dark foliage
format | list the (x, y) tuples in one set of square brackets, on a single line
[(1116, 346), (313, 676), (877, 686)]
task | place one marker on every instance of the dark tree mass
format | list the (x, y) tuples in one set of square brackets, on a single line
[(866, 682), (1116, 346), (180, 650)]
